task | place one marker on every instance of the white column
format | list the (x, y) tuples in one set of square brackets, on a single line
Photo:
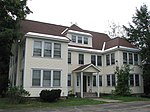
[(81, 86), (91, 83), (97, 84), (75, 81)]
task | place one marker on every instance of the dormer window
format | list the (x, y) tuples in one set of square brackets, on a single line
[(85, 40), (80, 39), (73, 38)]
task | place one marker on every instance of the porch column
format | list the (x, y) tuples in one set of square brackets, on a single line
[(91, 83), (97, 84), (75, 82), (81, 87)]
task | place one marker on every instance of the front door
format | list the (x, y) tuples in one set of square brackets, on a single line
[(84, 84)]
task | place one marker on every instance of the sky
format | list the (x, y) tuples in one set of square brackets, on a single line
[(94, 15)]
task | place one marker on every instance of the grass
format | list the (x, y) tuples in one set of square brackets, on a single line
[(126, 98), (4, 103)]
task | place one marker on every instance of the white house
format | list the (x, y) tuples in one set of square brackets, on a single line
[(52, 56)]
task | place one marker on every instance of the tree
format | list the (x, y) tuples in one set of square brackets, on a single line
[(11, 13), (139, 35), (116, 30), (122, 87)]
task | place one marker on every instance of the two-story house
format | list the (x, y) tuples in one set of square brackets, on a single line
[(52, 56)]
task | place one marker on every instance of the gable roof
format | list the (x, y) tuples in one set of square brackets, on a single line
[(84, 67), (98, 39)]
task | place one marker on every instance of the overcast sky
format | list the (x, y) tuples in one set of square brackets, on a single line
[(94, 15)]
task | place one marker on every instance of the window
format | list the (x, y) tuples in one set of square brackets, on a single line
[(36, 78), (78, 79), (47, 49), (69, 79), (135, 59), (46, 78), (107, 60), (100, 80), (37, 50), (74, 38), (108, 80), (85, 40), (88, 80), (81, 59), (112, 58), (99, 61), (131, 80), (94, 80), (56, 78), (130, 58), (124, 58), (111, 80), (137, 80), (69, 57), (93, 59), (80, 39), (57, 50)]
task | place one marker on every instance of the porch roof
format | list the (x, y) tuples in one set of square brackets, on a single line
[(87, 68)]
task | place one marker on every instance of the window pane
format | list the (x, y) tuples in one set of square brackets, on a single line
[(81, 59), (47, 49), (79, 39), (37, 50), (113, 80), (137, 80), (57, 50), (47, 78), (94, 80), (131, 80), (100, 80), (113, 58), (93, 59), (99, 61), (36, 77), (85, 40), (136, 59), (124, 58), (74, 38), (69, 80), (108, 80), (130, 58), (69, 57), (56, 78), (107, 60)]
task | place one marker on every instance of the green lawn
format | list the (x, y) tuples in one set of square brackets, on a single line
[(4, 103), (125, 98)]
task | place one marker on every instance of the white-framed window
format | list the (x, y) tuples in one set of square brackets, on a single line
[(99, 60), (107, 59), (136, 59), (134, 80), (46, 78), (46, 49), (130, 58), (73, 38), (93, 59), (81, 58), (85, 40), (100, 80), (69, 57), (111, 80), (112, 58), (96, 60), (94, 80), (69, 79), (125, 58), (37, 48), (79, 39)]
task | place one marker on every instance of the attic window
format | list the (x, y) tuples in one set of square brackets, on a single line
[(85, 40), (74, 38)]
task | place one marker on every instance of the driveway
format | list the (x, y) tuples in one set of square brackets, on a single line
[(141, 106)]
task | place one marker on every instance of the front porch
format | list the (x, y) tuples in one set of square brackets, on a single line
[(83, 80)]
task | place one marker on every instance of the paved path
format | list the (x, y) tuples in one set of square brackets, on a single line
[(142, 106)]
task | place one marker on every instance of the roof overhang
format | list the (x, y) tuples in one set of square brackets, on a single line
[(46, 36), (87, 68)]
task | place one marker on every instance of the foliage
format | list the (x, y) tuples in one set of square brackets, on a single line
[(122, 87), (17, 94), (11, 13), (50, 96), (139, 35)]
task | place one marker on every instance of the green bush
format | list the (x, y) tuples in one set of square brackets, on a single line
[(17, 94), (50, 96)]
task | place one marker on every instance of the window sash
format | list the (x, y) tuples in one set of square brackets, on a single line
[(37, 48), (57, 50), (112, 58), (85, 40), (56, 78), (69, 80), (46, 78), (131, 80), (94, 80), (135, 59), (124, 58), (107, 60), (81, 59), (93, 59), (36, 78), (137, 83), (80, 39), (113, 80), (99, 61), (73, 38), (108, 80), (130, 58), (69, 57), (100, 80), (47, 49)]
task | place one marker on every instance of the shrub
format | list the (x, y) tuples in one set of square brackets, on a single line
[(50, 96), (17, 94)]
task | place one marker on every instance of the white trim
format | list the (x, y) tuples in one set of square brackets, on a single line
[(103, 48), (78, 32), (45, 36), (64, 31), (128, 48)]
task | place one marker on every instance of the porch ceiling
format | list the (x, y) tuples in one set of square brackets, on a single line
[(87, 68)]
